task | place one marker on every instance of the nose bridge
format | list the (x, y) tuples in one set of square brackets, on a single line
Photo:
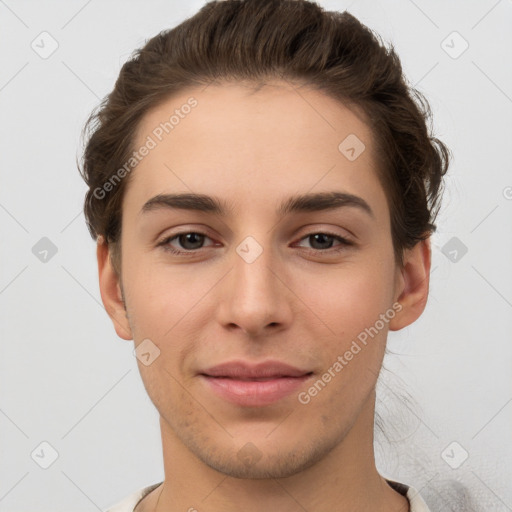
[(253, 274), (254, 296)]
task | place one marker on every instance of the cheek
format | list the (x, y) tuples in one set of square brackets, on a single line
[(351, 298), (161, 298), (170, 306), (357, 308)]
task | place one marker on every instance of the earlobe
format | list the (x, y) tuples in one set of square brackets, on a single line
[(110, 290), (412, 290)]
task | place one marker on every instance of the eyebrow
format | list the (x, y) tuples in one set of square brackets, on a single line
[(312, 202)]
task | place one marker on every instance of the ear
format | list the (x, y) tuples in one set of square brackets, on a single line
[(412, 285), (110, 290)]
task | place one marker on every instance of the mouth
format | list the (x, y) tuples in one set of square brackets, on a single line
[(255, 379), (258, 385)]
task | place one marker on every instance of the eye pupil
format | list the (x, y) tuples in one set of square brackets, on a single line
[(189, 237), (323, 237)]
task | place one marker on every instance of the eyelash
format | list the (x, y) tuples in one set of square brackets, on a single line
[(344, 243)]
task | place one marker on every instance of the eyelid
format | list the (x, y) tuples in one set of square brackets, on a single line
[(342, 239), (200, 230), (166, 240), (314, 229)]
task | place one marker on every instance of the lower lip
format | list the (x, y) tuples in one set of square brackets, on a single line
[(254, 393)]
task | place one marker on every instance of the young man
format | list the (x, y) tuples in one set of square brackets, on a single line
[(262, 189)]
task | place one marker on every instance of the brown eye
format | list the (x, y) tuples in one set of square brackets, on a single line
[(188, 241)]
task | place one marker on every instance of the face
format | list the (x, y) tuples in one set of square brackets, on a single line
[(312, 286)]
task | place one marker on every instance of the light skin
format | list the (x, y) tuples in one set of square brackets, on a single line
[(299, 302)]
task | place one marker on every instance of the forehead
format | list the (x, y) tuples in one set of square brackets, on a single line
[(228, 137), (216, 110)]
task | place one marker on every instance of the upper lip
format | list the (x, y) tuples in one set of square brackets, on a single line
[(246, 370)]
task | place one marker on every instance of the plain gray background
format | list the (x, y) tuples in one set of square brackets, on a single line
[(67, 379)]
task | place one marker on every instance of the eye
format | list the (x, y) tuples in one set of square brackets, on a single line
[(322, 242), (188, 240)]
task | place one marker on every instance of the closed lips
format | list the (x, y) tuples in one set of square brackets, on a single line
[(257, 379), (246, 371)]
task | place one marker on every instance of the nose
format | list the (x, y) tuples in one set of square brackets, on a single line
[(255, 297)]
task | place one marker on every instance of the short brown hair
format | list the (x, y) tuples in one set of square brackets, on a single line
[(259, 40)]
